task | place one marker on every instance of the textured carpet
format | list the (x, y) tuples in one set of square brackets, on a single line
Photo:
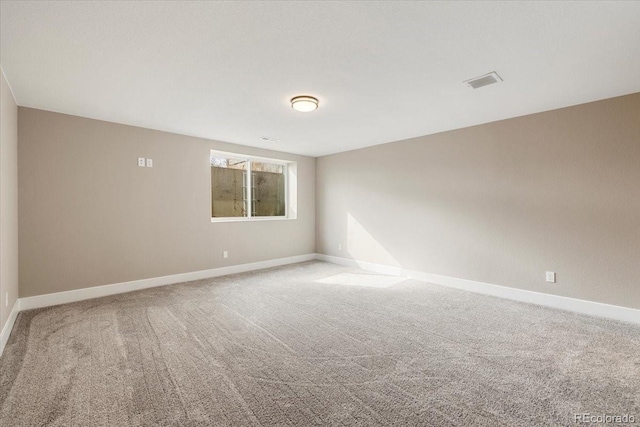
[(314, 344)]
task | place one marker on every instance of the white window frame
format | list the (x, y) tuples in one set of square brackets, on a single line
[(290, 198)]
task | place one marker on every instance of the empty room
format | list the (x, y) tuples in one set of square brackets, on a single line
[(332, 213)]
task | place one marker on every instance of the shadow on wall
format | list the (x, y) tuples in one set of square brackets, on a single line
[(445, 239), (368, 251)]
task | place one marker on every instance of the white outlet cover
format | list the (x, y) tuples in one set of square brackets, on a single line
[(141, 162), (149, 163), (551, 277), (225, 254)]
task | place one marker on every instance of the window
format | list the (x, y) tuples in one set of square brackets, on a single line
[(247, 187)]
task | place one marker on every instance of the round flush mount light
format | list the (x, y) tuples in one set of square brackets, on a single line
[(304, 103)]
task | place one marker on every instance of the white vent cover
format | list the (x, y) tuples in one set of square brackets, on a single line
[(484, 80)]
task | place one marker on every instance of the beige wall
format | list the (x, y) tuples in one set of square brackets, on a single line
[(499, 203), (89, 216), (8, 201)]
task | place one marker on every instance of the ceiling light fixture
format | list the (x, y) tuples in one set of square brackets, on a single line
[(304, 104)]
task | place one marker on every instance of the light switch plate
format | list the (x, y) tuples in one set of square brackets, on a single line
[(141, 162), (149, 163)]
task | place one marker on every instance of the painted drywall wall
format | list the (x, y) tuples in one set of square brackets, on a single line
[(90, 216), (499, 203), (8, 200)]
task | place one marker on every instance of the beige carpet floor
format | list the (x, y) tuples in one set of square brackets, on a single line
[(314, 344)]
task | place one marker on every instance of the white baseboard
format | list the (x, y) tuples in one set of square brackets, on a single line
[(364, 265), (58, 298), (609, 311), (8, 327), (576, 305)]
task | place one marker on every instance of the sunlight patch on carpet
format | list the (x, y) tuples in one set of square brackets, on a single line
[(368, 280)]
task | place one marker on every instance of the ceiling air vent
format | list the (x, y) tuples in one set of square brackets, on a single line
[(485, 80)]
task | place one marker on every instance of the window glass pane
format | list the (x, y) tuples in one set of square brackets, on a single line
[(268, 189), (228, 187)]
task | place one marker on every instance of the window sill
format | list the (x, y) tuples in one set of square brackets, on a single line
[(253, 219)]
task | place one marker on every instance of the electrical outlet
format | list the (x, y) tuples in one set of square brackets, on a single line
[(340, 246), (149, 163), (551, 277), (225, 254), (141, 162)]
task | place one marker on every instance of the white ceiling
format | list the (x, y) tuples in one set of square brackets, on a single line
[(383, 71)]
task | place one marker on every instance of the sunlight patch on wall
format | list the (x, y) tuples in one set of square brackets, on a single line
[(362, 246)]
